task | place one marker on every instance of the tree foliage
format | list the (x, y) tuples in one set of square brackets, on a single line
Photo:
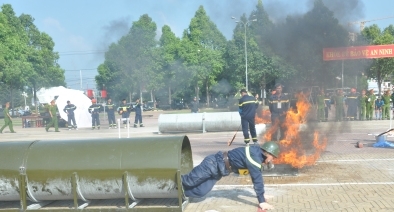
[(27, 58), (380, 68)]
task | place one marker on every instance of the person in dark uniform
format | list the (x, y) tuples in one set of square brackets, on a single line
[(278, 105), (203, 177), (7, 119), (247, 110), (110, 108), (138, 113), (52, 109), (195, 106), (69, 109), (94, 109), (124, 110), (352, 103)]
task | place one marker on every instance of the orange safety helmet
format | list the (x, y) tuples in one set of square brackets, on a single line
[(94, 100)]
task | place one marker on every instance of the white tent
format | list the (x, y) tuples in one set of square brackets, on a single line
[(76, 97)]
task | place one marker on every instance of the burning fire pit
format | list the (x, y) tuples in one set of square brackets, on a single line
[(302, 145)]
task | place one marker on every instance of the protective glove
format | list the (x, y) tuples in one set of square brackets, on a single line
[(266, 206)]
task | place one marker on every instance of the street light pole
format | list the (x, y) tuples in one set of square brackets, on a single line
[(246, 52), (246, 61)]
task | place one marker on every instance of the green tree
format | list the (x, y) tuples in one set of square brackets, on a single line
[(381, 68), (45, 72), (132, 60), (14, 67), (174, 74), (202, 49)]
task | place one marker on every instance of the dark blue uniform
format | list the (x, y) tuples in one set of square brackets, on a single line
[(138, 115), (69, 109), (94, 109), (204, 176), (352, 103), (247, 111), (124, 109), (278, 106), (110, 108)]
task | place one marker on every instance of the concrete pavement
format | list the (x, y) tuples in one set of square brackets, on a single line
[(344, 178)]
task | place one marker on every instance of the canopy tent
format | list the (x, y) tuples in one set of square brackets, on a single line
[(76, 97)]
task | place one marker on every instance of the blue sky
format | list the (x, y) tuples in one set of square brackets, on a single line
[(83, 29)]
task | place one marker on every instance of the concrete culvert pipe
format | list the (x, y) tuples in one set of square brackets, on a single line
[(193, 122), (99, 168)]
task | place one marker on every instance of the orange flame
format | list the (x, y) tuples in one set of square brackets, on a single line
[(263, 118), (293, 151)]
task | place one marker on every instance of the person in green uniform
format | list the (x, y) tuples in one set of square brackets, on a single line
[(370, 105), (338, 101), (7, 119), (320, 106), (363, 104), (386, 106), (52, 112)]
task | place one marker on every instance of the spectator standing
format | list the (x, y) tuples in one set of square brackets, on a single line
[(338, 101), (124, 110), (370, 105), (327, 105), (69, 109), (94, 109), (352, 103), (379, 104), (7, 119), (138, 113), (279, 105), (195, 106), (110, 108), (52, 109), (363, 98), (320, 106), (386, 105)]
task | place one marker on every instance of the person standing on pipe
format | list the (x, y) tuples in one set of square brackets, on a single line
[(69, 109), (203, 177), (124, 110), (279, 105), (52, 109), (94, 109), (110, 108), (138, 113), (7, 119), (247, 111)]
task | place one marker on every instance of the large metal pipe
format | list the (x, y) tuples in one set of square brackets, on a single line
[(97, 169), (191, 122)]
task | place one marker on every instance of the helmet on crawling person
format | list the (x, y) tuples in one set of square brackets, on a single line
[(271, 147)]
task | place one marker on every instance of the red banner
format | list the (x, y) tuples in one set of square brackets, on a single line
[(358, 52)]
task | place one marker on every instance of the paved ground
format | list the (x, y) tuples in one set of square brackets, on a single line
[(344, 178)]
